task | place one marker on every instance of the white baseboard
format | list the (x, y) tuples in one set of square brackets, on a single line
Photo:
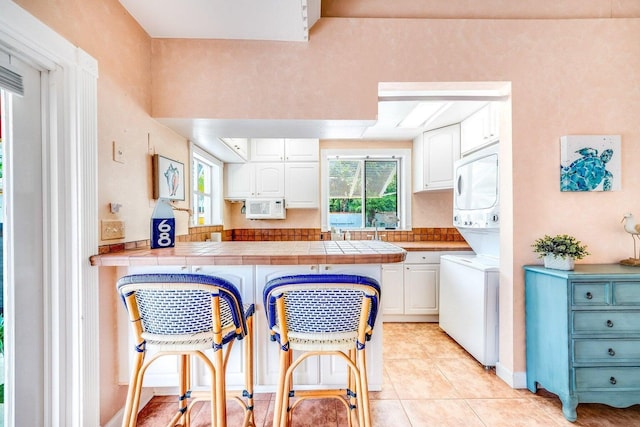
[(514, 379), (116, 421)]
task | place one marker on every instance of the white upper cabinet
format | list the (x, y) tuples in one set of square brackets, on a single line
[(433, 155), (267, 149), (239, 179), (302, 185), (278, 167), (302, 150), (239, 146), (254, 180), (285, 149), (481, 128), (269, 180)]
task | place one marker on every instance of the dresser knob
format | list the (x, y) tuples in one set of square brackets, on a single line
[(611, 352), (612, 380), (609, 324), (589, 295)]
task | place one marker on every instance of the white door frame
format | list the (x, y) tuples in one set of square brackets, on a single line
[(70, 330)]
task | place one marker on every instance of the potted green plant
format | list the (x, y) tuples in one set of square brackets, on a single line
[(560, 251)]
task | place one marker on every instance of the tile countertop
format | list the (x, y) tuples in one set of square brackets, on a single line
[(260, 253)]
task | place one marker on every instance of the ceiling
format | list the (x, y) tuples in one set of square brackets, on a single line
[(282, 20), (290, 20)]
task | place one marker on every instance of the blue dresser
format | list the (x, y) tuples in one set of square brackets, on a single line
[(583, 334)]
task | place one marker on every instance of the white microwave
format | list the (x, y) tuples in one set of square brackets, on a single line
[(265, 209)]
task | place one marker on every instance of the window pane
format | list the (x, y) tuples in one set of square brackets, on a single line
[(206, 194), (203, 210), (381, 200), (345, 193)]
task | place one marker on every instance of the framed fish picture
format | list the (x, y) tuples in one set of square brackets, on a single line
[(168, 178), (590, 163)]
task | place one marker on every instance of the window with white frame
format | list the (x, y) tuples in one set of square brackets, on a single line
[(366, 189), (206, 196)]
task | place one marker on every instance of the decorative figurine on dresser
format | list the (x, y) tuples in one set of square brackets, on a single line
[(632, 228), (583, 334)]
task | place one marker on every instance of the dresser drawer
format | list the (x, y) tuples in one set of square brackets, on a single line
[(626, 293), (606, 351), (590, 293), (606, 322), (607, 378)]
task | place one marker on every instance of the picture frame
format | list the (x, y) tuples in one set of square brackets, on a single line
[(168, 178), (590, 163)]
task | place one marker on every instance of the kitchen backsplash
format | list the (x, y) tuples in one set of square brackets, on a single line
[(201, 234)]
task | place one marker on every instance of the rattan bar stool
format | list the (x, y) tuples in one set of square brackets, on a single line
[(184, 315), (322, 315)]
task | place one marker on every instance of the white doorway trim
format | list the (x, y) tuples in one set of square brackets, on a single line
[(70, 329)]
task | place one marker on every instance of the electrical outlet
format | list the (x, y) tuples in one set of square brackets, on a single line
[(118, 152), (112, 229)]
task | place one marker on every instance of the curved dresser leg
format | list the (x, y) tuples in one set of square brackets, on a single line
[(569, 405)]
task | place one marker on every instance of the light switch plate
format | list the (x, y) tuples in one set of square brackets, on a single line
[(118, 152), (111, 229)]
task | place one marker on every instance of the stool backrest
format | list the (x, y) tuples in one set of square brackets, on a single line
[(181, 306), (322, 303)]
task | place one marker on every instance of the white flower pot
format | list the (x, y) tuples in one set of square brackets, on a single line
[(559, 263)]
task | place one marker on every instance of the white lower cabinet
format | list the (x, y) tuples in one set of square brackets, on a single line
[(421, 288), (250, 280), (410, 290), (242, 277)]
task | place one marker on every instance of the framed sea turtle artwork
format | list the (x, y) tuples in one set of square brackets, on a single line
[(590, 163), (168, 178)]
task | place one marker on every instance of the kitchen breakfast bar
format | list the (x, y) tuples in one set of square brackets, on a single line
[(249, 266)]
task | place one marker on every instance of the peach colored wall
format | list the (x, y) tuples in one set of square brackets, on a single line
[(123, 50), (486, 9), (568, 77)]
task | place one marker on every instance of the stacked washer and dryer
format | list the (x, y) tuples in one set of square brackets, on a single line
[(469, 283)]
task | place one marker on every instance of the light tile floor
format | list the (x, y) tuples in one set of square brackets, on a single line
[(429, 380)]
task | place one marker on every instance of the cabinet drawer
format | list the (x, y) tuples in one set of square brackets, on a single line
[(626, 293), (608, 378), (423, 257), (591, 293), (606, 351), (606, 322)]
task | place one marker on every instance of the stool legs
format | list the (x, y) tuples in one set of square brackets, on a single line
[(129, 410)]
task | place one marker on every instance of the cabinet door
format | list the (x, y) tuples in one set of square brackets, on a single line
[(242, 277), (302, 185), (267, 150), (480, 129), (268, 363), (433, 155), (239, 180), (393, 288), (301, 150), (333, 370), (441, 149), (472, 131), (421, 288), (239, 146), (269, 179)]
